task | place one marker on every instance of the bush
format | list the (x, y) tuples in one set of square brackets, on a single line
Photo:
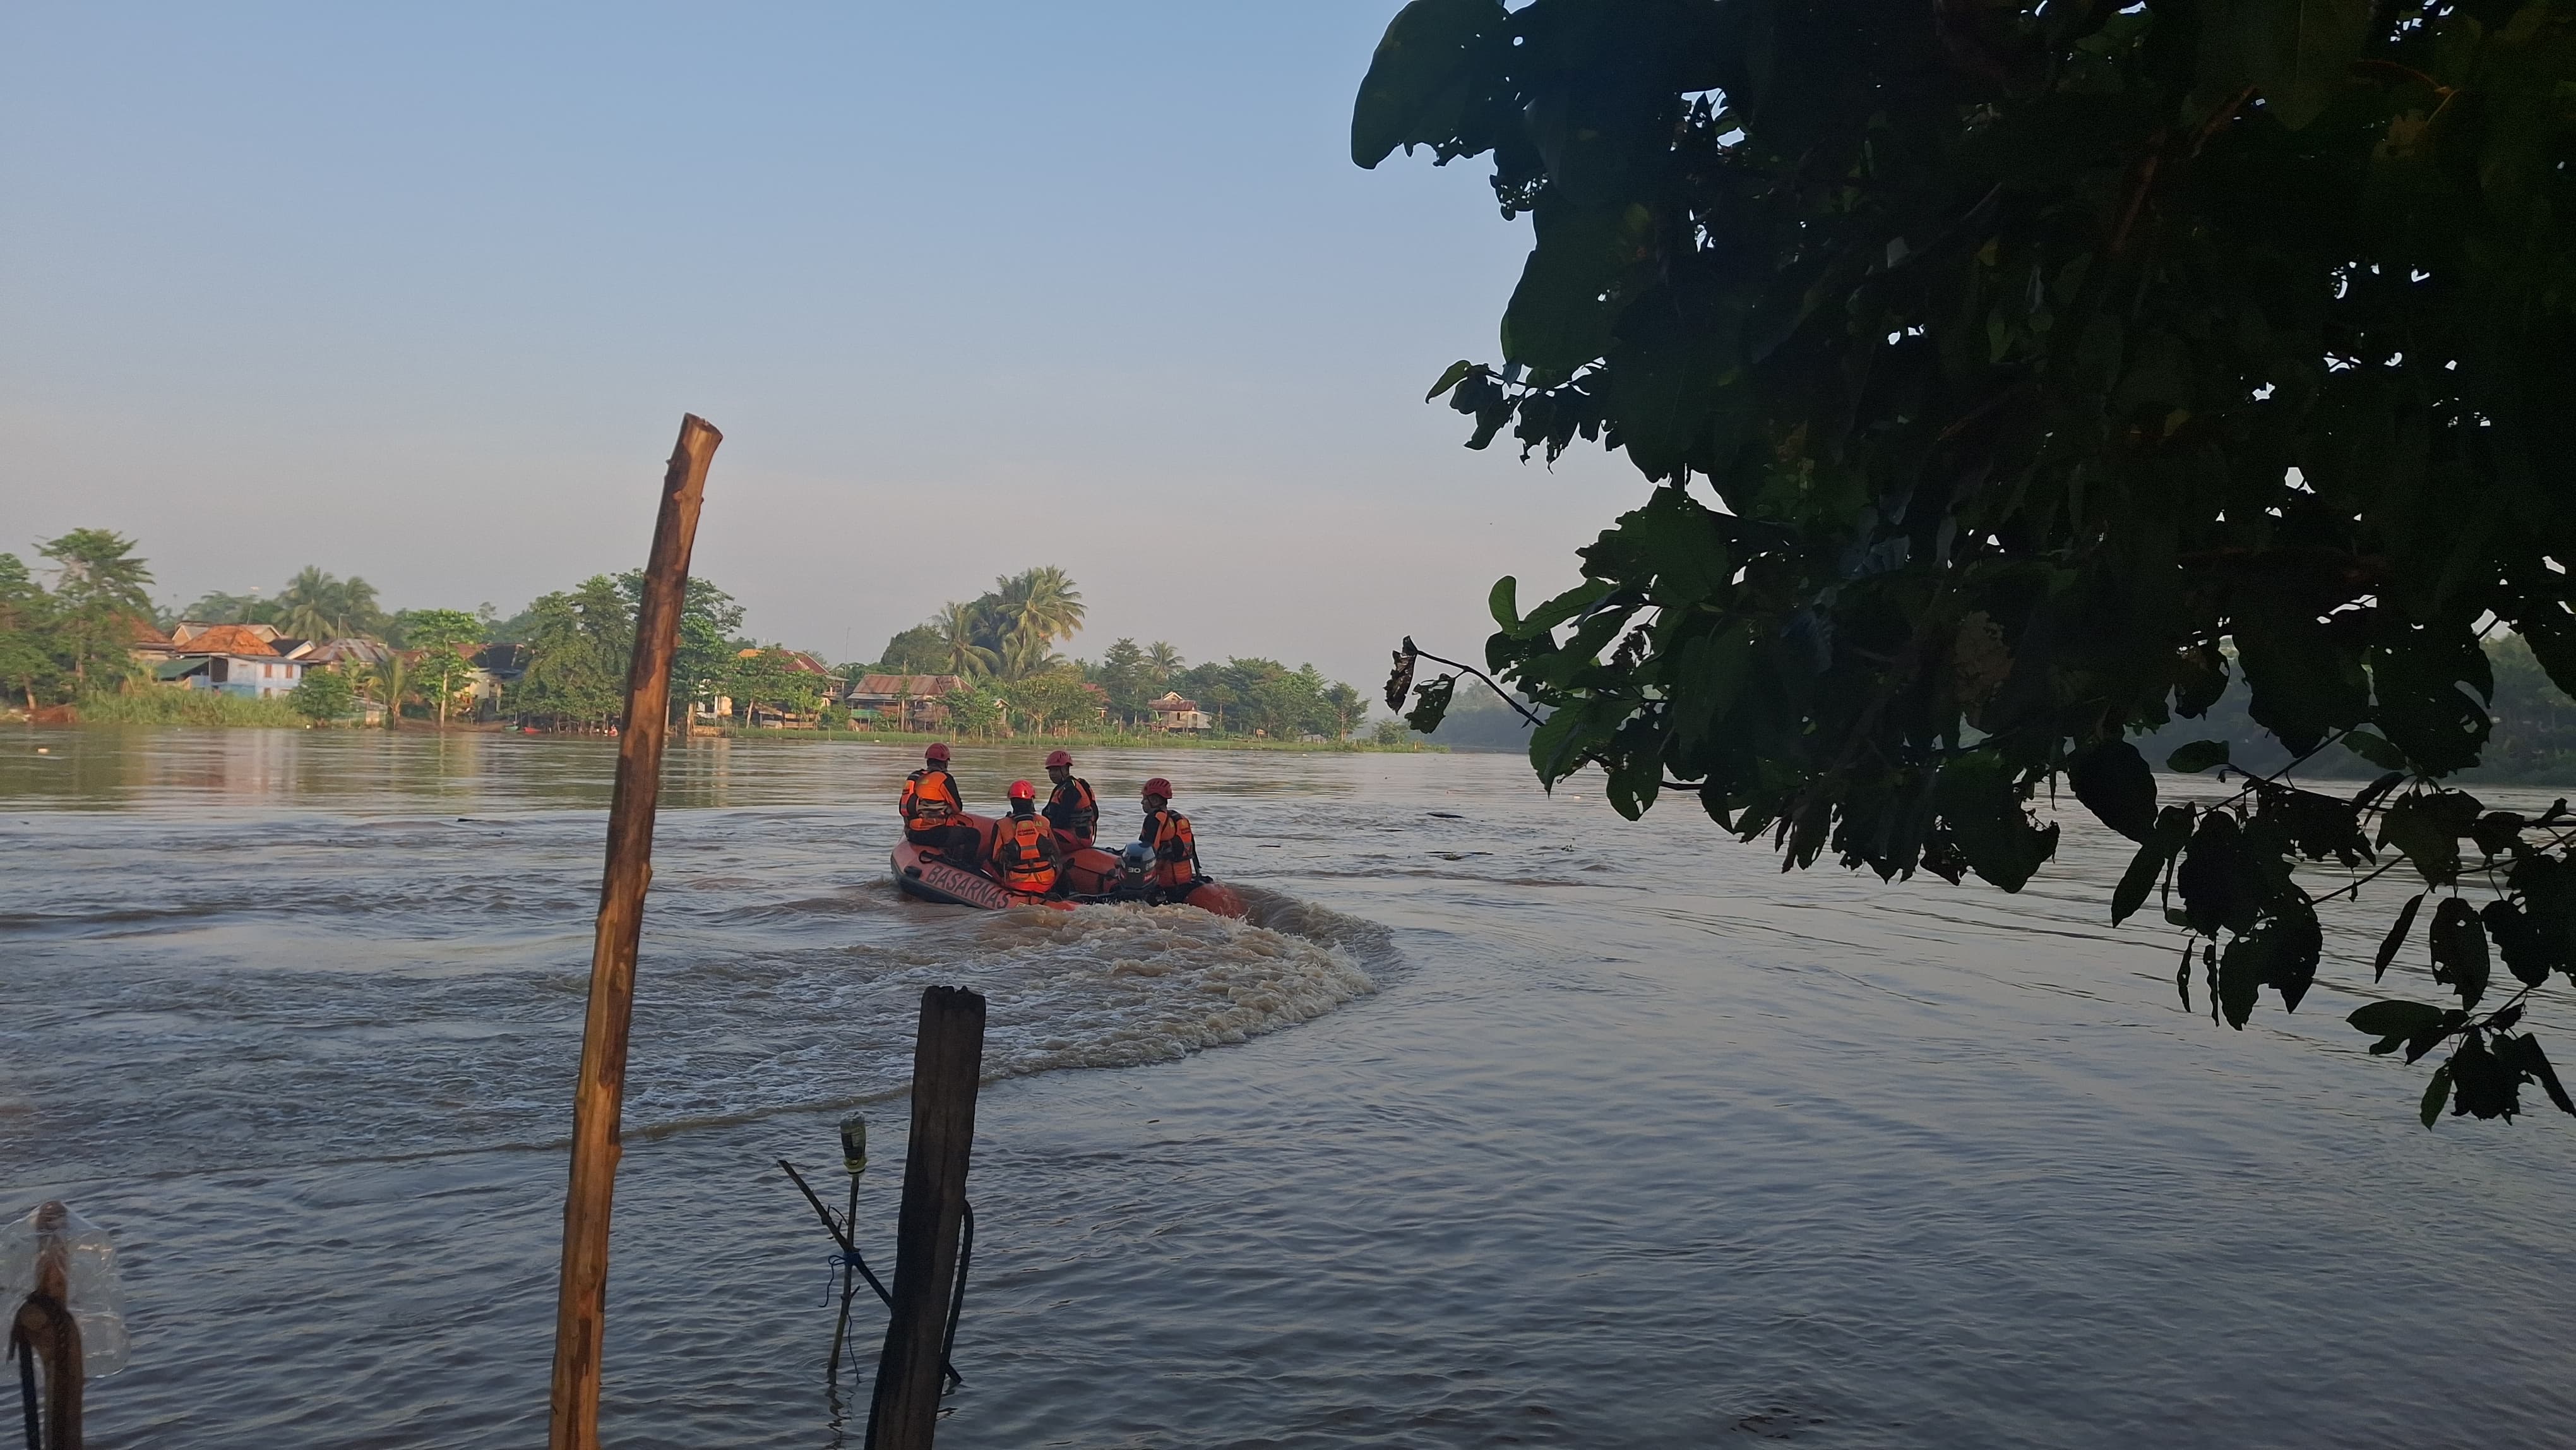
[(323, 695), (164, 706)]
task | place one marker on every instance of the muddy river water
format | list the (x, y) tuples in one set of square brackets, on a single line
[(1507, 1122)]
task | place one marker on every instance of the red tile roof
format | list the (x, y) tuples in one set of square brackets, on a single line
[(227, 639)]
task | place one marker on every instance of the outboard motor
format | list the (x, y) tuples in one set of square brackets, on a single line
[(1133, 864)]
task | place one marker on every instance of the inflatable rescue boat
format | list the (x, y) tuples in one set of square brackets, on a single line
[(1091, 876)]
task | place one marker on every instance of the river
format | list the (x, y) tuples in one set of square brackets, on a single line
[(1506, 1122)]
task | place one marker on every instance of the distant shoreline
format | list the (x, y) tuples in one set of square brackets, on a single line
[(878, 737)]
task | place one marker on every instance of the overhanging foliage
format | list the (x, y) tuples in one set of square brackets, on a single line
[(1995, 364)]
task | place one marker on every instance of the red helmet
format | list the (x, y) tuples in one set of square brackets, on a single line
[(1060, 757), (936, 752), (1021, 790), (1159, 786)]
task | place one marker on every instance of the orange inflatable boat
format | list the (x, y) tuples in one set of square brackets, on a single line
[(1091, 876)]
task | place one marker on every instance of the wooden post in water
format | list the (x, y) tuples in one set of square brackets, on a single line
[(44, 1320), (947, 1059), (599, 1096)]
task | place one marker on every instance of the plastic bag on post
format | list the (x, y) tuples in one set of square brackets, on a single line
[(89, 1262)]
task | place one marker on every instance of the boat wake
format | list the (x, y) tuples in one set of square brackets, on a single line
[(384, 1035)]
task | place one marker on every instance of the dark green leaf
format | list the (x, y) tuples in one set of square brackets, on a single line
[(2173, 828), (1421, 81), (2396, 938), (1982, 806), (2428, 828), (2198, 756), (2536, 1063), (2319, 827), (2378, 752), (2113, 781), (1565, 606), (2200, 678), (2418, 679), (2220, 888), (2395, 1019), (2280, 952), (2546, 888), (2436, 1094), (2496, 832), (1557, 748), (2459, 950), (1456, 373), (2305, 682), (2529, 953), (2292, 944), (2298, 53), (1681, 541), (1431, 703), (2241, 970), (1711, 677), (1504, 602), (2486, 1082), (2377, 788), (1559, 318)]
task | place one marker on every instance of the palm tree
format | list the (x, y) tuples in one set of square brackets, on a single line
[(310, 605), (1040, 602), (314, 605), (1162, 662), (960, 628), (1025, 653), (390, 680)]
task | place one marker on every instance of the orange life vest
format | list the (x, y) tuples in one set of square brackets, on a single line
[(1020, 853), (1074, 809), (930, 799), (1176, 851)]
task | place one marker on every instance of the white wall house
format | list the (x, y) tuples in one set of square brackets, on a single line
[(244, 675), (232, 658)]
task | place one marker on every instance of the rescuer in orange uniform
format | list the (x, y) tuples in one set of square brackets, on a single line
[(1167, 833), (1025, 850), (1072, 809), (931, 806)]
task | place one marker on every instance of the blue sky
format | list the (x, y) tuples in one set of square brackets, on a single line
[(420, 292)]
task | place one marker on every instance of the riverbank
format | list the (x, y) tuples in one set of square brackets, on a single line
[(200, 708), (1093, 741)]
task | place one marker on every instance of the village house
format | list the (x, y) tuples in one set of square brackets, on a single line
[(1172, 713), (149, 645), (908, 702), (187, 631), (497, 670), (351, 654), (818, 677), (234, 659)]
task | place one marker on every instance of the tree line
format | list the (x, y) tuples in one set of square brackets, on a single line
[(1002, 644), (562, 660)]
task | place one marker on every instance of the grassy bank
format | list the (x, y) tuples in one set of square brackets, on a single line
[(186, 707)]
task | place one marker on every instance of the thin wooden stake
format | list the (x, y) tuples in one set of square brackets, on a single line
[(599, 1097), (947, 1059)]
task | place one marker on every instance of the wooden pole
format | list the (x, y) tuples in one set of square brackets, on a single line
[(599, 1096), (947, 1059), (44, 1320)]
